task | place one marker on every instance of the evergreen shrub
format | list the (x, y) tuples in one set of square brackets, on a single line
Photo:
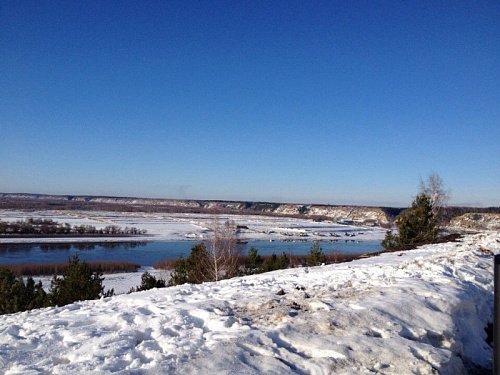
[(15, 295), (316, 257), (77, 283), (416, 225), (148, 281)]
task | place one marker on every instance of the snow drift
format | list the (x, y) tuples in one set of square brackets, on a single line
[(417, 312)]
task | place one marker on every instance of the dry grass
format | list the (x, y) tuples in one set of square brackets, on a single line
[(486, 251), (295, 260), (165, 264), (44, 269)]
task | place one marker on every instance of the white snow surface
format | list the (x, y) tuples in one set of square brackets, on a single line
[(178, 227), (417, 312)]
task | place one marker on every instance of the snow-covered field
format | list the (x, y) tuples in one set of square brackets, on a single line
[(177, 227), (417, 312)]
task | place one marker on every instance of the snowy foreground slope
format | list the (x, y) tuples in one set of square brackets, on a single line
[(418, 312)]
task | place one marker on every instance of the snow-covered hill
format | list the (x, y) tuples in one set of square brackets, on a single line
[(417, 312), (476, 221), (359, 214)]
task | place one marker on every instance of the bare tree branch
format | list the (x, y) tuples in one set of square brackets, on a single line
[(433, 187), (222, 250)]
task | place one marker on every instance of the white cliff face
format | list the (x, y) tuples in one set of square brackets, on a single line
[(288, 209), (357, 214), (224, 205), (362, 215), (141, 201), (476, 221)]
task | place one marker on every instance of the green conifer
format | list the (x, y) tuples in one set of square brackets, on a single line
[(78, 283), (316, 257), (416, 225), (15, 295), (179, 273), (254, 261), (148, 281)]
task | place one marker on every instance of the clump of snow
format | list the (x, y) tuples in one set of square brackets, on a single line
[(417, 312)]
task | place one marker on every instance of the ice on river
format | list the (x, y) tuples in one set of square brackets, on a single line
[(177, 227)]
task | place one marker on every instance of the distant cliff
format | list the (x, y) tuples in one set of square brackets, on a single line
[(358, 214), (476, 221)]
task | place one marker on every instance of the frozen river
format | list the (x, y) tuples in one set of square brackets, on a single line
[(147, 253), (169, 235)]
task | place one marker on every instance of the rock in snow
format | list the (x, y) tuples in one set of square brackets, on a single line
[(424, 312)]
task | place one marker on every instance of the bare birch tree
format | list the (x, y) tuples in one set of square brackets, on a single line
[(433, 187), (222, 251)]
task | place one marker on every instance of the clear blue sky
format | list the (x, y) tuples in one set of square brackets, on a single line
[(340, 102)]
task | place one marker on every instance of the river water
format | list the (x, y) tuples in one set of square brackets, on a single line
[(147, 253)]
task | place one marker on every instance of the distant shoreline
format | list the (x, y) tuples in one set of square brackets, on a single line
[(83, 236)]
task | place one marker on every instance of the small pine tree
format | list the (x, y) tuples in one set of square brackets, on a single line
[(283, 262), (17, 296), (390, 241), (269, 264), (148, 282), (274, 263), (180, 272), (7, 281), (416, 225), (37, 297), (198, 265), (78, 283), (316, 257), (194, 269), (254, 261)]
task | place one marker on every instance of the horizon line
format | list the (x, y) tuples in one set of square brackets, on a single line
[(234, 200)]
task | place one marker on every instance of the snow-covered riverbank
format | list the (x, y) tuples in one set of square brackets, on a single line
[(417, 312), (178, 227)]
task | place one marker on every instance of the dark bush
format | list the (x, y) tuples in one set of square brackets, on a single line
[(254, 261), (78, 283), (17, 296), (274, 263), (57, 268), (198, 264), (148, 281), (416, 225), (179, 273), (194, 269), (316, 257)]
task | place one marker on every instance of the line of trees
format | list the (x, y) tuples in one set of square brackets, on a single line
[(198, 268), (58, 268), (38, 226), (77, 283)]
